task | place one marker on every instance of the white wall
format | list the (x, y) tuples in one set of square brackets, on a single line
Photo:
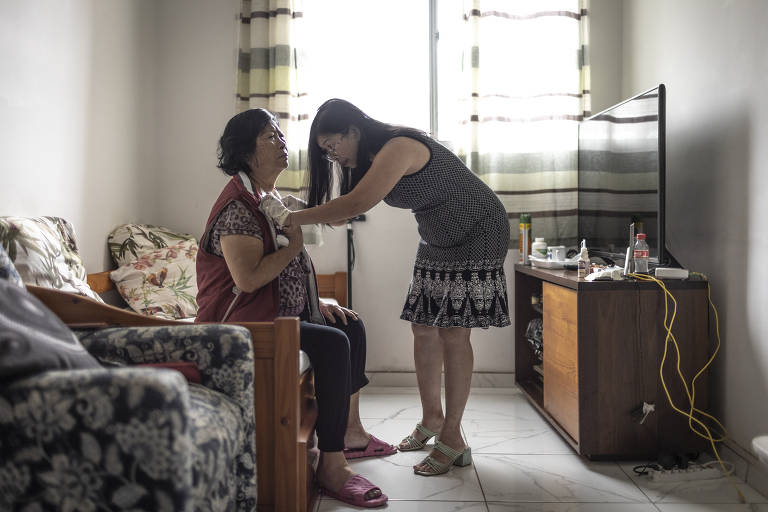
[(196, 58), (75, 93), (605, 53), (711, 54)]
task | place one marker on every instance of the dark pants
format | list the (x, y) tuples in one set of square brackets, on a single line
[(337, 355)]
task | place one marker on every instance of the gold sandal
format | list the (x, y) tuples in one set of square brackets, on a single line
[(438, 468), (415, 444)]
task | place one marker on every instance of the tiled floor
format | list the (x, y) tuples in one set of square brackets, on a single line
[(520, 465)]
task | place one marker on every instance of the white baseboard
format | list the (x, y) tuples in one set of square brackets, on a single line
[(408, 379), (745, 465)]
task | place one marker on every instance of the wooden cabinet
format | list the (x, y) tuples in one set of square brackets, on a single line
[(603, 344), (561, 363)]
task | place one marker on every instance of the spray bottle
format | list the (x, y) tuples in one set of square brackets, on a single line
[(583, 262)]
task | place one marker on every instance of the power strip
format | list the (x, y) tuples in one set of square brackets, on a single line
[(681, 475), (670, 273)]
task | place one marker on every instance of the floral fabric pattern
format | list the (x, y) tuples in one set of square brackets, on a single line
[(44, 252), (128, 242), (234, 219), (135, 438), (8, 271), (467, 294), (161, 283)]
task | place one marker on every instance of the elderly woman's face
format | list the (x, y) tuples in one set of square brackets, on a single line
[(271, 153)]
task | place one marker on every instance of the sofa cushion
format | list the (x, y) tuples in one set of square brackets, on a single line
[(44, 252), (128, 242), (33, 339), (161, 282)]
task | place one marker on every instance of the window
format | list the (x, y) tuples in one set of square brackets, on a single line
[(373, 54), (452, 89)]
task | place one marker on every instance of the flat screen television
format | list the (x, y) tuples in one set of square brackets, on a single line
[(621, 176)]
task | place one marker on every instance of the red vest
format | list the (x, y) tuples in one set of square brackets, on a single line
[(215, 283)]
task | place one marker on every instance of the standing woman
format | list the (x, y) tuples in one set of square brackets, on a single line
[(458, 280)]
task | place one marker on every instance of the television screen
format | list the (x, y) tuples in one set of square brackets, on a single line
[(621, 176)]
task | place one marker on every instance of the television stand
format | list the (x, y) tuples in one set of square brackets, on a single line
[(602, 347)]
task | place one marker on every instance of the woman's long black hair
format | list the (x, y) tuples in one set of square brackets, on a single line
[(237, 144), (336, 116)]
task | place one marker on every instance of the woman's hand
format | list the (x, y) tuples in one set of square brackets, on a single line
[(295, 236), (329, 309), (274, 209)]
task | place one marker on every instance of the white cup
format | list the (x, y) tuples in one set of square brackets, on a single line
[(556, 252)]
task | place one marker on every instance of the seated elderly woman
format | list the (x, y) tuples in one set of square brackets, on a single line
[(250, 270)]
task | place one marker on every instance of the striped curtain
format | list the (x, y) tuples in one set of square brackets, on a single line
[(526, 89), (269, 75)]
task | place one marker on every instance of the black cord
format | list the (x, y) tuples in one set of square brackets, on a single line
[(351, 255), (645, 467)]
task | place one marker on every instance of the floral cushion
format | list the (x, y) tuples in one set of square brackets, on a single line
[(128, 242), (161, 282), (44, 252), (8, 271)]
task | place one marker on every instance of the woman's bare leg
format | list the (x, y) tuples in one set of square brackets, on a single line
[(459, 360), (356, 435), (428, 356)]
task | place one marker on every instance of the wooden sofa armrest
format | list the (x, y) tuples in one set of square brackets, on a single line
[(80, 311), (333, 285), (100, 282), (277, 401)]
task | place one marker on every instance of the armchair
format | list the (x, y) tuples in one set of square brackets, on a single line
[(126, 437)]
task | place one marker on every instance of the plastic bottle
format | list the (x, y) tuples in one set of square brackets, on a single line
[(641, 254), (583, 261), (525, 237), (539, 248)]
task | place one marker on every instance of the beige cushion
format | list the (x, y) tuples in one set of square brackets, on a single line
[(128, 242), (161, 282), (44, 252)]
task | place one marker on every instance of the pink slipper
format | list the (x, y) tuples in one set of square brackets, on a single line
[(376, 448), (354, 491)]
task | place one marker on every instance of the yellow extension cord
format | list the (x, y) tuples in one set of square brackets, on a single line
[(691, 394)]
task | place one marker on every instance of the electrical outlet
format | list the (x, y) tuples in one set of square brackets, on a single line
[(681, 475)]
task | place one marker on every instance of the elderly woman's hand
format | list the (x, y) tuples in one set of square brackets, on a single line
[(329, 309), (294, 235)]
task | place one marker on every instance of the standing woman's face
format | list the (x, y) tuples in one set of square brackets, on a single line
[(340, 147)]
